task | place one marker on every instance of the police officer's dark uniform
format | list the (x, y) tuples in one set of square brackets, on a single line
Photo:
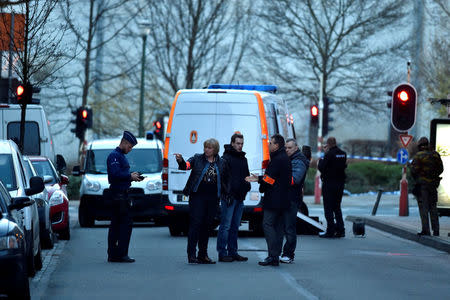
[(119, 178), (332, 169)]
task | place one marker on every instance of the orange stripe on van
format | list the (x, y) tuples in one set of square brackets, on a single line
[(262, 117), (169, 127)]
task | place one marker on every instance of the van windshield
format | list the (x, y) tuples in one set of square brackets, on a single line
[(7, 172), (141, 160)]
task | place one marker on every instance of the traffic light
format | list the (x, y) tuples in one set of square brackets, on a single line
[(326, 115), (83, 120), (24, 93), (314, 114), (158, 129), (403, 107), (20, 94), (86, 116)]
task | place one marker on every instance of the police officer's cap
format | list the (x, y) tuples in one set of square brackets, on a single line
[(423, 141), (130, 138)]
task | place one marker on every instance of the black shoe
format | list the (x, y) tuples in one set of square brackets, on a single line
[(423, 233), (125, 259), (205, 260), (226, 259), (326, 235), (340, 234), (193, 260), (269, 261), (237, 257)]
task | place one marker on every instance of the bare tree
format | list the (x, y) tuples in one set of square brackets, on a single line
[(339, 40), (197, 42), (38, 50)]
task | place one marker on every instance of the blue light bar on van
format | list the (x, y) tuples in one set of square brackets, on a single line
[(249, 87)]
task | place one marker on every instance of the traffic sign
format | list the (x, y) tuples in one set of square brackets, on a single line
[(402, 156), (405, 139)]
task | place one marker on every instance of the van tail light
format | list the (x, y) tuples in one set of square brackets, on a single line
[(165, 175), (169, 207), (265, 164), (257, 209)]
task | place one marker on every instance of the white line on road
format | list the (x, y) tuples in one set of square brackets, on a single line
[(290, 280)]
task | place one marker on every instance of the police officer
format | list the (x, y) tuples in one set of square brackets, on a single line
[(120, 178), (425, 169), (274, 184), (332, 169)]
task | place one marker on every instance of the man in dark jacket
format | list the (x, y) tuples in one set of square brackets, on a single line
[(300, 165), (120, 178), (425, 169), (274, 184), (332, 169), (233, 206)]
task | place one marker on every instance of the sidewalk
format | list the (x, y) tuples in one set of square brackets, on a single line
[(404, 227)]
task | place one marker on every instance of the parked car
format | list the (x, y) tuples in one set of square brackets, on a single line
[(18, 183), (43, 205), (13, 272), (146, 158), (56, 186)]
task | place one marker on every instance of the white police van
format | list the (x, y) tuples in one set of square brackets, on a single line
[(146, 158), (218, 112)]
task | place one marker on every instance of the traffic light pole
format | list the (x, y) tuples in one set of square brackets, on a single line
[(317, 182), (141, 102)]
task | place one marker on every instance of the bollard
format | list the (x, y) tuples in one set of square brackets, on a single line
[(375, 207), (317, 188), (403, 209)]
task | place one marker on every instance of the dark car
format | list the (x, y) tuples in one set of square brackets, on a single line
[(13, 271), (57, 195)]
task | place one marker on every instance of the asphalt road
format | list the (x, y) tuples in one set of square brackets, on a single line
[(379, 266)]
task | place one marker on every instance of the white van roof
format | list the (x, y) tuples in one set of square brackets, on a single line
[(113, 143)]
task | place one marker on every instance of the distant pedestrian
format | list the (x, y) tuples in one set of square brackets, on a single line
[(120, 178), (274, 184), (207, 183), (233, 206), (300, 165), (425, 169), (332, 169)]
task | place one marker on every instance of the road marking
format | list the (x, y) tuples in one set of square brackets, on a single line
[(290, 280)]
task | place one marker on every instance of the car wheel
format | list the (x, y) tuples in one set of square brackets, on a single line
[(84, 217), (22, 289), (65, 234), (38, 260), (31, 269), (47, 241), (175, 229)]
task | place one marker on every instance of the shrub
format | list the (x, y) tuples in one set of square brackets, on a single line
[(73, 188)]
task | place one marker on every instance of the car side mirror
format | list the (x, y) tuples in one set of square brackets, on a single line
[(64, 179), (76, 171), (20, 202), (48, 178), (60, 163), (36, 186)]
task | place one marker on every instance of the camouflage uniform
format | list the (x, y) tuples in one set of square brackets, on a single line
[(425, 169)]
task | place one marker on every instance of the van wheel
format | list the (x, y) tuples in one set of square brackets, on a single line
[(38, 260), (256, 227), (65, 234), (84, 217), (174, 230)]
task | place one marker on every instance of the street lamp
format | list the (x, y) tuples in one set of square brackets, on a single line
[(145, 30)]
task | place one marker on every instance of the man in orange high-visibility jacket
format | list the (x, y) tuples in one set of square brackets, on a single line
[(274, 184)]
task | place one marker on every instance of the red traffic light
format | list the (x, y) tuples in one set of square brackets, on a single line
[(403, 96), (84, 113), (314, 111), (158, 125), (20, 90)]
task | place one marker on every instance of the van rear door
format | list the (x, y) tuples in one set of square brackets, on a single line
[(194, 121)]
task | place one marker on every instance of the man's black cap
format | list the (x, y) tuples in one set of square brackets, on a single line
[(130, 138)]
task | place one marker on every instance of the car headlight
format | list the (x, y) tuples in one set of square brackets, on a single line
[(154, 185), (9, 242), (93, 186), (57, 198)]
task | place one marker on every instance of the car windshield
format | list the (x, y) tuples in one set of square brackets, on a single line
[(7, 172), (43, 168), (141, 160)]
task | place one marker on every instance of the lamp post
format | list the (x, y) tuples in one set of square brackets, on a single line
[(145, 30)]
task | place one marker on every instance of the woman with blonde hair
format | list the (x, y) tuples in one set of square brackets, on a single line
[(207, 183)]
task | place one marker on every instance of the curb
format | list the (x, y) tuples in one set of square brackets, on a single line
[(429, 241)]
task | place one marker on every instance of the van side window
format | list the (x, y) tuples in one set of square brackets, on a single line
[(271, 116), (32, 145)]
